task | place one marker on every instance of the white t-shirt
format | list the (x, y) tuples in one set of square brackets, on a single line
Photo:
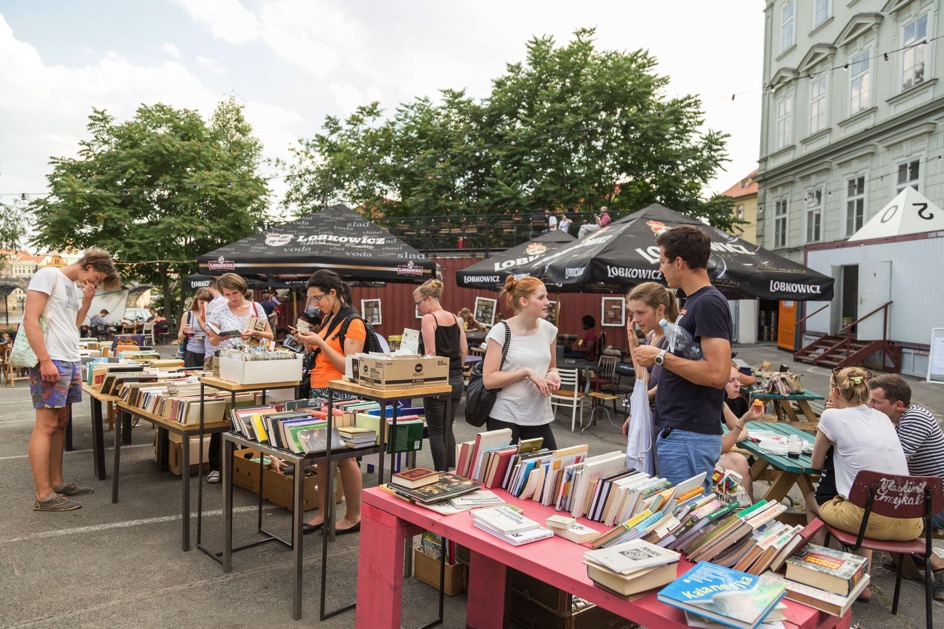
[(522, 403), (62, 335), (216, 302), (552, 222), (224, 319), (865, 439)]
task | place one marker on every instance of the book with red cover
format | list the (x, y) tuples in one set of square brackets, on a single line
[(496, 473), (417, 477)]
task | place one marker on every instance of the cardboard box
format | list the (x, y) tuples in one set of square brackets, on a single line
[(401, 372), (260, 371), (246, 471), (426, 569), (175, 455), (277, 488)]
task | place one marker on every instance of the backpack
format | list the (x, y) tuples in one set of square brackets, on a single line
[(371, 342)]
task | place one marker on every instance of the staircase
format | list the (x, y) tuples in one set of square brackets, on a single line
[(842, 350)]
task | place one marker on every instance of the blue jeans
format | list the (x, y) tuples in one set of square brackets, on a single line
[(937, 520), (684, 454)]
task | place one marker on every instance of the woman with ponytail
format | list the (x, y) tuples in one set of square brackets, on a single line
[(529, 374)]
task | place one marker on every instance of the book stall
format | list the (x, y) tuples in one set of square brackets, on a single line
[(629, 543)]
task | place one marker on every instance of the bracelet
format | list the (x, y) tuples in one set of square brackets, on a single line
[(739, 426), (552, 369)]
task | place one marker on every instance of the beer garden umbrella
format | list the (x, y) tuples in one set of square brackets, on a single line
[(624, 254), (490, 273)]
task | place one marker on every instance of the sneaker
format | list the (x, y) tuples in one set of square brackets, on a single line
[(72, 489), (56, 503), (937, 585), (213, 477)]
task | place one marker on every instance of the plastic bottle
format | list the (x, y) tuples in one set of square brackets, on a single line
[(679, 339)]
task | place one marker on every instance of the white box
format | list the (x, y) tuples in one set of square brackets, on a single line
[(261, 371)]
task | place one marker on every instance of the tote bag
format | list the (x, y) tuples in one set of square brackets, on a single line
[(22, 355), (479, 400)]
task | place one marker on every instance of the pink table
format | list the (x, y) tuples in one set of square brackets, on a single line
[(387, 521)]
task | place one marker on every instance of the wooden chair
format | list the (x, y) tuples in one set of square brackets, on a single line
[(606, 374), (621, 371), (569, 395), (149, 330), (902, 497), (10, 373)]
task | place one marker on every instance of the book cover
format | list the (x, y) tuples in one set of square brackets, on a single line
[(829, 602), (577, 533), (727, 596), (417, 477), (517, 539), (827, 569), (630, 585), (316, 439), (800, 539), (631, 556), (448, 486), (504, 519)]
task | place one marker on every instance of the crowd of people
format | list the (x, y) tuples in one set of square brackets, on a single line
[(870, 422)]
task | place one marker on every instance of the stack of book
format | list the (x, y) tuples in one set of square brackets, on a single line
[(508, 524), (632, 567), (355, 437), (709, 593), (445, 487), (826, 579), (571, 530)]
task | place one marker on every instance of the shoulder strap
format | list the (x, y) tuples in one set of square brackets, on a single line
[(505, 345)]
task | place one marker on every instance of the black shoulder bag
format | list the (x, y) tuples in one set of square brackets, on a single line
[(479, 400)]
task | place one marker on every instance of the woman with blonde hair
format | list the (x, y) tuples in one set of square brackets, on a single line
[(233, 315), (192, 331), (852, 437), (442, 335), (529, 375)]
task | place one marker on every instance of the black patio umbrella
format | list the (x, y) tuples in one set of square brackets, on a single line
[(490, 273), (624, 254), (335, 238)]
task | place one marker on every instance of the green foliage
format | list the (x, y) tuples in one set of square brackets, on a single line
[(156, 191), (570, 128), (13, 225)]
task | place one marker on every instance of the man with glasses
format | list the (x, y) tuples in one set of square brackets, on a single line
[(921, 439)]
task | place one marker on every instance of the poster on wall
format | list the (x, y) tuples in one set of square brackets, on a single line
[(485, 311), (370, 310), (552, 312), (936, 356), (614, 312)]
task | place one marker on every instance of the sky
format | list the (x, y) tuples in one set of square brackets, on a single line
[(293, 62)]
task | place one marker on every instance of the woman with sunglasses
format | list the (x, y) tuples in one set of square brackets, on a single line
[(852, 437), (331, 296)]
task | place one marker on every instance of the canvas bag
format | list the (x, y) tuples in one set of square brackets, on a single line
[(479, 401), (22, 355), (784, 383)]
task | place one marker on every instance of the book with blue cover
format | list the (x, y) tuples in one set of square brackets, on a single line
[(726, 596)]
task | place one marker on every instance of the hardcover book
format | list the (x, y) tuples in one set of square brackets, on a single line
[(726, 596), (631, 556), (448, 486), (632, 584), (829, 602), (417, 477), (504, 519), (827, 569)]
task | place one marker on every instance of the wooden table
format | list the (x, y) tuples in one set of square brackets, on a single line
[(783, 406), (96, 399), (782, 471), (388, 521), (185, 431)]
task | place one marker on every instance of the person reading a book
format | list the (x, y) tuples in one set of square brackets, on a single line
[(233, 316), (529, 375), (191, 333), (859, 438), (332, 297), (585, 347), (469, 322), (691, 391), (442, 336)]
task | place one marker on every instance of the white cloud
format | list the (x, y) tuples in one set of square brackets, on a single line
[(228, 20), (171, 50), (212, 65)]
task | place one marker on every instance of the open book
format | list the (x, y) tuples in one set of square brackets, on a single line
[(218, 332)]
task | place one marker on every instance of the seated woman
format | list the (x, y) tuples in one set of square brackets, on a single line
[(469, 322), (585, 347), (859, 438), (735, 416)]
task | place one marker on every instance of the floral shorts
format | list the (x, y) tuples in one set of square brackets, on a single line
[(56, 394)]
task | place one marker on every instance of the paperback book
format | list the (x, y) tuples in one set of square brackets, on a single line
[(827, 569)]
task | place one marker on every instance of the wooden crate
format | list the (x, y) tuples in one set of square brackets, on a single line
[(533, 604)]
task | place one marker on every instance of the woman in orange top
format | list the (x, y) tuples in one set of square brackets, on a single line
[(332, 296)]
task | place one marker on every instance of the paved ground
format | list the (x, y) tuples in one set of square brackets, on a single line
[(120, 565)]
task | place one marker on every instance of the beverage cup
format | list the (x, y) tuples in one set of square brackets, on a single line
[(794, 447)]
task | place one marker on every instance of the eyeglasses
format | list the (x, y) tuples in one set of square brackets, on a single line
[(316, 298)]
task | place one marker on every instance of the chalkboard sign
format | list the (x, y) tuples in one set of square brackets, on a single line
[(936, 356)]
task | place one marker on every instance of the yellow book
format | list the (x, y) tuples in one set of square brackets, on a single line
[(259, 427)]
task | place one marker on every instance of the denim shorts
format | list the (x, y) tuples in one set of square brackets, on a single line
[(683, 454), (68, 390)]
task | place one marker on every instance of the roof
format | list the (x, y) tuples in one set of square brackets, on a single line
[(744, 188), (910, 212)]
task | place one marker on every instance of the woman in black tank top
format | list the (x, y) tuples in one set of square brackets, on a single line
[(442, 335)]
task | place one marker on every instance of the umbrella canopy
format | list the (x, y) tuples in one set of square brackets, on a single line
[(335, 238), (490, 273), (624, 254)]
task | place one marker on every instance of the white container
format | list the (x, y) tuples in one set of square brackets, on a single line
[(261, 371)]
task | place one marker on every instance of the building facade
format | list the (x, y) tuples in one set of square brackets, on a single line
[(744, 194), (853, 111)]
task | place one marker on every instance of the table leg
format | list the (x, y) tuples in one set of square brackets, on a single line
[(779, 488), (98, 439), (185, 493), (807, 410), (758, 468), (380, 569), (227, 465), (297, 535), (163, 446), (486, 601), (117, 462), (788, 411), (126, 417)]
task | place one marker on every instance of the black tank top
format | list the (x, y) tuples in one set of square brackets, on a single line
[(447, 345)]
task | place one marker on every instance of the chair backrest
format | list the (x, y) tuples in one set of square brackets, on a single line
[(601, 343), (898, 496), (569, 378), (607, 367)]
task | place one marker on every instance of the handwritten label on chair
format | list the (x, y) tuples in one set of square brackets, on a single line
[(907, 494)]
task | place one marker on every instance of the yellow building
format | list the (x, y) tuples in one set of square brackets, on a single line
[(744, 194)]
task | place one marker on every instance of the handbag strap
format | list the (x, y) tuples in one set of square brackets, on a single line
[(55, 283), (505, 345)]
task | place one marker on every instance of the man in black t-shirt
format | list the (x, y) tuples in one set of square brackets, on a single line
[(691, 392)]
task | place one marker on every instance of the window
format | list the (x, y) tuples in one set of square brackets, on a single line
[(814, 214), (859, 97), (740, 211), (818, 104), (784, 121), (855, 204), (914, 36), (787, 21), (780, 223), (820, 12), (908, 175)]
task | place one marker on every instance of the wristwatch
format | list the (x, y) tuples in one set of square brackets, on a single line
[(660, 357)]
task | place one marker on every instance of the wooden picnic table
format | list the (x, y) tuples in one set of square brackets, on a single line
[(802, 416)]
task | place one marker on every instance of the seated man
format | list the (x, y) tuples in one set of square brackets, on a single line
[(602, 220), (921, 439), (98, 325), (585, 347)]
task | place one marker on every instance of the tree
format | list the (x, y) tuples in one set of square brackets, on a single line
[(13, 225), (571, 127), (156, 191)]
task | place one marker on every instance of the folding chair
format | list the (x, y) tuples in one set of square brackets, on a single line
[(902, 497), (569, 395)]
